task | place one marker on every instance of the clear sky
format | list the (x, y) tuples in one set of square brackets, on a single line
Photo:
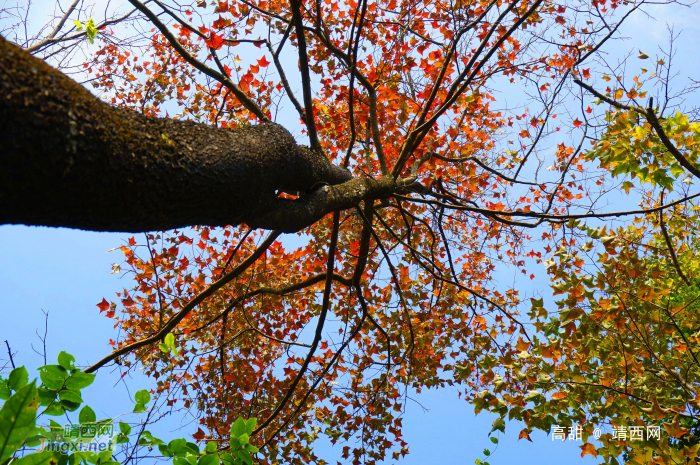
[(66, 273)]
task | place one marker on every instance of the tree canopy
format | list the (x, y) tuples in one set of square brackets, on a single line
[(314, 287)]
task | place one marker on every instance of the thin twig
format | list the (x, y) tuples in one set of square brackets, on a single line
[(9, 352)]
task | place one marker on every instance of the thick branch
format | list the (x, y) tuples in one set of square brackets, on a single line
[(70, 160)]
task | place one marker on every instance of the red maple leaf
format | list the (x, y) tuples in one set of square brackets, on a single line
[(219, 23), (263, 62), (104, 305), (215, 41), (577, 123), (587, 73), (221, 7), (199, 435)]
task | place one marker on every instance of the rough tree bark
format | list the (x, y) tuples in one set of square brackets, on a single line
[(69, 159)]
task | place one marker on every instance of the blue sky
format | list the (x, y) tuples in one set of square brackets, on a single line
[(66, 273)]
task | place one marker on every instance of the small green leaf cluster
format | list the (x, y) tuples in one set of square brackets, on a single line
[(60, 392), (90, 29), (141, 397), (168, 345), (240, 447), (487, 453), (61, 386)]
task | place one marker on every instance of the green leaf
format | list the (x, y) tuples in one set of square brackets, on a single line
[(142, 397), (5, 392), (78, 25), (40, 458), (18, 378), (46, 396), (211, 447), (176, 444), (477, 461), (163, 348), (487, 452), (251, 448), (228, 458), (243, 439), (169, 340), (68, 405), (72, 396), (80, 380), (91, 456), (498, 424), (250, 425), (33, 441), (53, 376), (66, 360), (87, 415), (17, 420), (494, 440), (148, 439), (243, 454), (104, 456), (124, 428), (238, 428), (138, 408), (55, 409), (193, 447), (210, 459), (165, 450)]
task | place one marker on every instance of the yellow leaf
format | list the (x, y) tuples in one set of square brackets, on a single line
[(626, 186)]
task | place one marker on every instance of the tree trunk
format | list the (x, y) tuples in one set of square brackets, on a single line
[(69, 159)]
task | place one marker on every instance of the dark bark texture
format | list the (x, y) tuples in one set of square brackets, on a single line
[(69, 159)]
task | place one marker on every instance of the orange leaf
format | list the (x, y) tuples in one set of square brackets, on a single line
[(522, 345), (263, 62), (524, 434), (588, 448), (558, 395)]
